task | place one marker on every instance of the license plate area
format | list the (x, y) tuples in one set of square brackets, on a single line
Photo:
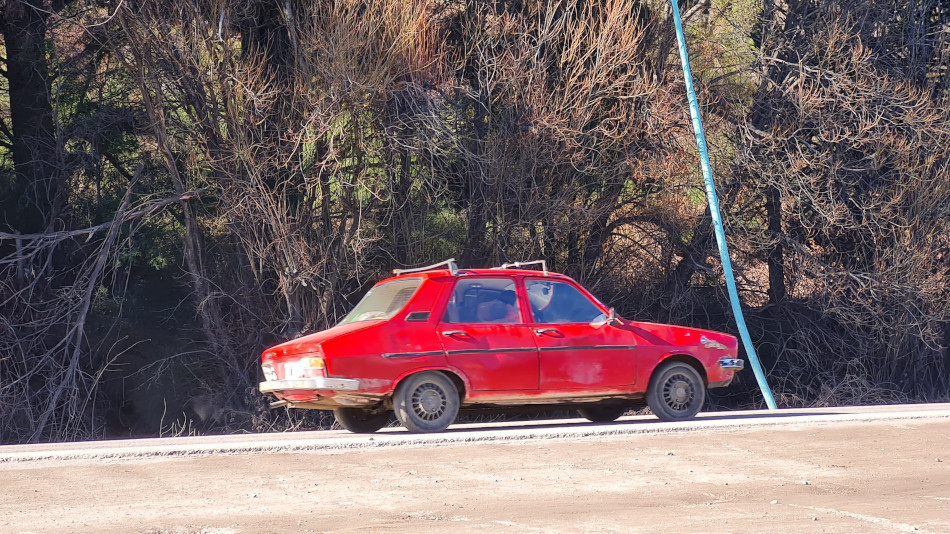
[(294, 370)]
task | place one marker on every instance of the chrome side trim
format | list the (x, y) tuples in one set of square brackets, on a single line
[(731, 364), (335, 384), (489, 351), (411, 354), (589, 347)]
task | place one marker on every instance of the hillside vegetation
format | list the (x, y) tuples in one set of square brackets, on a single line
[(184, 182)]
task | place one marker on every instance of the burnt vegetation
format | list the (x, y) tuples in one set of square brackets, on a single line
[(183, 183)]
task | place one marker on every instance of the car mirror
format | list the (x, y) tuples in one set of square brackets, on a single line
[(601, 320)]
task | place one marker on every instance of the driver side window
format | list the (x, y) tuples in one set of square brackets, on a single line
[(559, 302)]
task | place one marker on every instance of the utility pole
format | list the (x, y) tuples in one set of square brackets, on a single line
[(716, 214)]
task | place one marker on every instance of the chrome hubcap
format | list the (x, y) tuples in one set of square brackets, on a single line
[(678, 392)]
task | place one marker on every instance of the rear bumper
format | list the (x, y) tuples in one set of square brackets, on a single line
[(320, 383)]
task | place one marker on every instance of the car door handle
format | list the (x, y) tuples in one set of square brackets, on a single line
[(542, 331), (454, 333)]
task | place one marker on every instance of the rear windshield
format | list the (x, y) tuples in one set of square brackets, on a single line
[(383, 301)]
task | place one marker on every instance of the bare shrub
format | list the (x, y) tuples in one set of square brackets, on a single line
[(838, 154), (290, 154)]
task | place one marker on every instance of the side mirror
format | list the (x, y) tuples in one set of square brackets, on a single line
[(610, 319)]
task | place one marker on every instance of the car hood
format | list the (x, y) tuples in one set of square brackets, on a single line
[(309, 342), (662, 334)]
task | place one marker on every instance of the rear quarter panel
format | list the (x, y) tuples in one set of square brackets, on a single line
[(380, 355)]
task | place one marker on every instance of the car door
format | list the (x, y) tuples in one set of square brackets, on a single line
[(578, 349), (484, 335)]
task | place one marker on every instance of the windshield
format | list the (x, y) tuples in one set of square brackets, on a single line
[(384, 301)]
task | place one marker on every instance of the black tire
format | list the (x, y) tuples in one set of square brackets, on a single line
[(602, 414), (676, 392), (426, 402), (360, 421)]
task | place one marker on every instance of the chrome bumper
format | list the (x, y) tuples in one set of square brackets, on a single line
[(335, 384), (731, 364)]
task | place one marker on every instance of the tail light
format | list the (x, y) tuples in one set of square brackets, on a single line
[(270, 373)]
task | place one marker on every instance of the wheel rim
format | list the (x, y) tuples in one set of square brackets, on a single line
[(679, 392), (428, 402)]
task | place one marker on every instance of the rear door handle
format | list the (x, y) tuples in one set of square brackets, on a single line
[(542, 331)]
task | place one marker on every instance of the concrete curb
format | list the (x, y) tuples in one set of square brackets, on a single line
[(326, 441)]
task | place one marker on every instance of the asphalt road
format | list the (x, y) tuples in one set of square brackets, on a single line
[(860, 469)]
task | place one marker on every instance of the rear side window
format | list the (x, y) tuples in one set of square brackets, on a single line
[(384, 301), (559, 302), (483, 301)]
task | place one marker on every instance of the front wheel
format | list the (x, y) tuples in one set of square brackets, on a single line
[(426, 402), (360, 421), (676, 392)]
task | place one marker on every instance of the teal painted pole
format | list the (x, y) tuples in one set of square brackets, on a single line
[(716, 215)]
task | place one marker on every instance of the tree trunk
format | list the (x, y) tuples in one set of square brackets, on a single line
[(478, 205), (776, 259), (694, 254), (600, 231), (402, 209), (32, 204)]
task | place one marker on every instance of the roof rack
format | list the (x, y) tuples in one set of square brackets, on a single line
[(449, 264), (518, 264)]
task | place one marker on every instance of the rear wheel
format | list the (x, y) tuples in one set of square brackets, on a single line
[(676, 392), (426, 402), (602, 414), (359, 420)]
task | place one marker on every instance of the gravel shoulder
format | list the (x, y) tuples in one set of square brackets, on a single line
[(884, 469)]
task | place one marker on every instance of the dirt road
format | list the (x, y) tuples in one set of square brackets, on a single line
[(877, 472)]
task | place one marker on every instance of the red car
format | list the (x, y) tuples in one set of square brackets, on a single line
[(429, 341)]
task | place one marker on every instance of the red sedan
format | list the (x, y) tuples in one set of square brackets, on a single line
[(429, 341)]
